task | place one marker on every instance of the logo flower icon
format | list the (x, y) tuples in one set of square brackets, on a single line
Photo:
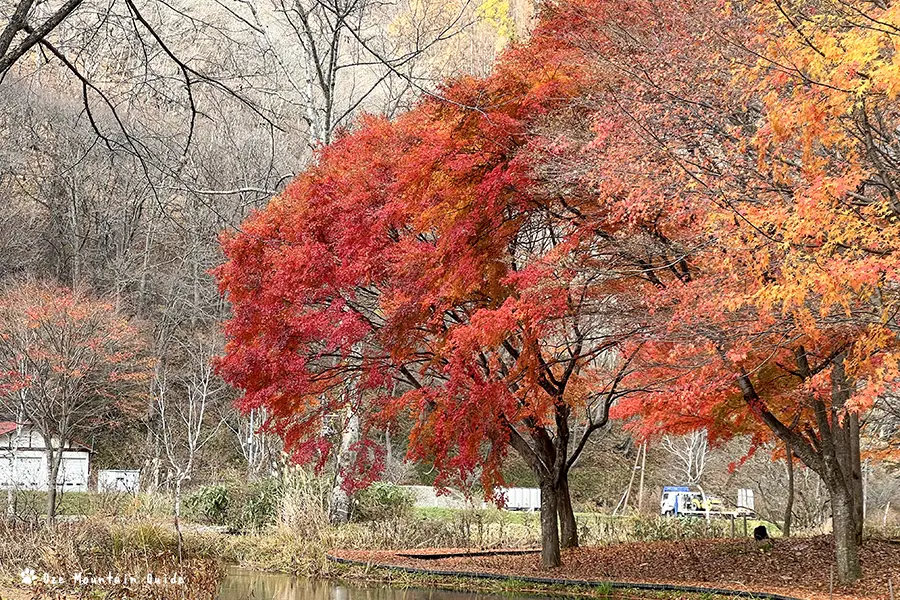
[(28, 576)]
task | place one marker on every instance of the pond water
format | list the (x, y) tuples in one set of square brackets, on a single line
[(242, 584)]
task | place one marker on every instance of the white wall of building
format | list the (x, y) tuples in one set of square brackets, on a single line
[(425, 496), (522, 498), (119, 480), (23, 463)]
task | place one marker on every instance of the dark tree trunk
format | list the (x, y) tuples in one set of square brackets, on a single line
[(832, 452), (844, 473), (845, 513), (54, 458), (855, 478), (846, 546), (550, 554), (789, 506), (568, 534), (538, 458)]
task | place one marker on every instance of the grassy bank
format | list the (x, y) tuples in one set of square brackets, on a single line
[(285, 529), (303, 551), (98, 546), (116, 543), (127, 550)]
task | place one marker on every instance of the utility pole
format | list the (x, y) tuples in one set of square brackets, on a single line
[(641, 483)]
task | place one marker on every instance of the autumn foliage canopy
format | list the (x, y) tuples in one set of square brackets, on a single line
[(69, 362), (685, 212)]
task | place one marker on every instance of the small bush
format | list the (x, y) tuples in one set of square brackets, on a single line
[(240, 508), (258, 506), (382, 501), (208, 505)]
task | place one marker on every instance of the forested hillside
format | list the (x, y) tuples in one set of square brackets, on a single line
[(134, 133)]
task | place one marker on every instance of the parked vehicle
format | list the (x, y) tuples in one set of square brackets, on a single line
[(686, 500)]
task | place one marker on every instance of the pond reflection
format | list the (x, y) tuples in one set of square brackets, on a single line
[(244, 584)]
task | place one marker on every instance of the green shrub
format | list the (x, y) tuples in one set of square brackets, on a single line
[(240, 508), (381, 501), (258, 506), (208, 505)]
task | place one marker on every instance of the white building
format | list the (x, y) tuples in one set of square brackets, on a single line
[(119, 480), (521, 498), (23, 461), (425, 496)]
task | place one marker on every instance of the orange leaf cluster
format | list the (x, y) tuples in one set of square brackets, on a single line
[(649, 205)]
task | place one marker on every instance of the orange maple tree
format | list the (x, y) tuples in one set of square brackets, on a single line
[(69, 365), (789, 315), (686, 210)]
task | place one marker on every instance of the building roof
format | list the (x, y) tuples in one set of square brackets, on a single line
[(74, 444)]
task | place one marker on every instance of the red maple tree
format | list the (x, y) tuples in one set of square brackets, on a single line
[(622, 206), (426, 268)]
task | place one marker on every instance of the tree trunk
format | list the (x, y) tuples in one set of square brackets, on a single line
[(156, 464), (178, 535), (834, 456), (640, 506), (846, 546), (339, 508), (13, 477), (855, 480), (866, 473), (845, 471), (54, 458), (789, 506), (550, 554), (623, 503), (568, 526)]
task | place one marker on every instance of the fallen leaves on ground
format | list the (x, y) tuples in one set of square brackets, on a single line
[(799, 567)]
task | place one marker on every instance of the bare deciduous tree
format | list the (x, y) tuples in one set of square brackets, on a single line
[(136, 130), (188, 416), (689, 453)]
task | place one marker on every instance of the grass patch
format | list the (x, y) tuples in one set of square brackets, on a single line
[(32, 505), (487, 514), (497, 527), (96, 547)]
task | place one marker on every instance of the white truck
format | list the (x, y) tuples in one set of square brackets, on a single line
[(683, 500), (692, 501)]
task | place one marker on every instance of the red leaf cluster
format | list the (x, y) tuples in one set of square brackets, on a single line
[(672, 207)]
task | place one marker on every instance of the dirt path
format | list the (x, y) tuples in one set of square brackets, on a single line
[(799, 567)]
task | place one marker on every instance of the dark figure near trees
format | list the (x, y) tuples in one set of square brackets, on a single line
[(760, 533)]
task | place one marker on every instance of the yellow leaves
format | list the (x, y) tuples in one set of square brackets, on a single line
[(845, 54), (885, 74), (497, 13), (830, 71)]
